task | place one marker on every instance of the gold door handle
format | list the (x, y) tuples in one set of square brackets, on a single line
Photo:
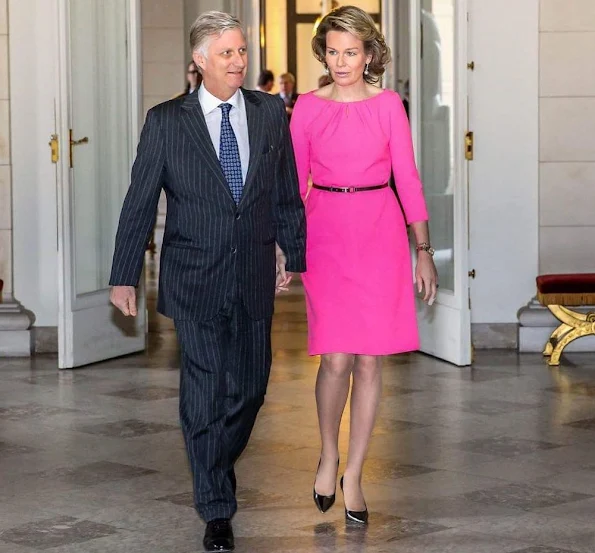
[(469, 146), (84, 140), (54, 147)]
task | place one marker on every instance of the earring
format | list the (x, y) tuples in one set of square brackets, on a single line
[(326, 69), (366, 70)]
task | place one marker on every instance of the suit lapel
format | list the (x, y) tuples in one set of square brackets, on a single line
[(195, 126), (256, 134)]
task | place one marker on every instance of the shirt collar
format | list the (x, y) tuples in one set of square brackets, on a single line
[(210, 103)]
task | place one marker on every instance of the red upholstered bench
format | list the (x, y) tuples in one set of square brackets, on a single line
[(557, 292)]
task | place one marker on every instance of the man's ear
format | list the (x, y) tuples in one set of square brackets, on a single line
[(199, 60)]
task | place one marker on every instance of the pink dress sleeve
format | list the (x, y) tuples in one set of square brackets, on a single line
[(301, 144), (409, 186)]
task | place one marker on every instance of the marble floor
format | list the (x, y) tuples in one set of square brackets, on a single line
[(497, 458)]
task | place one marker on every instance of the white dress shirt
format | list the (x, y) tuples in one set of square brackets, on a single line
[(237, 117)]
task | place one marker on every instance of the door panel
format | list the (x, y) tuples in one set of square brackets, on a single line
[(438, 108), (99, 120)]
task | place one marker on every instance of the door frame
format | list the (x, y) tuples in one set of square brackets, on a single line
[(68, 302)]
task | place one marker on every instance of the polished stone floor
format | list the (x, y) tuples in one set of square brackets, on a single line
[(497, 458)]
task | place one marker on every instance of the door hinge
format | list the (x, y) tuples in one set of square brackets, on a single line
[(469, 145), (54, 147)]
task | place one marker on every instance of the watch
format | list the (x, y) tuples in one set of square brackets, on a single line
[(425, 247)]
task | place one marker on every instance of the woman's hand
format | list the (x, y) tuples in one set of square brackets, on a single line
[(426, 276)]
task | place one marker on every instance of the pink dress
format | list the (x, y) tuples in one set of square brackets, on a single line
[(359, 280)]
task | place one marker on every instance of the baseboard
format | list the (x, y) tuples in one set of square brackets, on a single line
[(45, 339), (494, 335)]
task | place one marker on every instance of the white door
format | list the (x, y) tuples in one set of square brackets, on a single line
[(98, 116), (438, 82)]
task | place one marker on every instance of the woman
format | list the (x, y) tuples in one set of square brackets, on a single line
[(348, 136), (193, 78)]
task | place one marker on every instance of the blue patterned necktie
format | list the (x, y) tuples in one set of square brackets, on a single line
[(229, 155)]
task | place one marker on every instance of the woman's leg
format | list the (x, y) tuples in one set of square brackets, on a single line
[(365, 397), (332, 389)]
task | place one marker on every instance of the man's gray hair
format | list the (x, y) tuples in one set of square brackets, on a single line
[(211, 25)]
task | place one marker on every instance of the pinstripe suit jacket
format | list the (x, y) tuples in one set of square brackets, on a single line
[(210, 244)]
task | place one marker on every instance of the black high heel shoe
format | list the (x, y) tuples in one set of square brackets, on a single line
[(323, 502), (360, 517)]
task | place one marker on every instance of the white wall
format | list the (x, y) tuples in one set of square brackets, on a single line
[(567, 143), (249, 12), (193, 8), (164, 50), (5, 170), (503, 178), (32, 87)]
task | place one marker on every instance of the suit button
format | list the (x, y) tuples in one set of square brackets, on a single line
[(237, 216), (234, 249)]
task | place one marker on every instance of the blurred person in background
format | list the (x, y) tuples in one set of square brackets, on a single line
[(193, 78), (287, 92), (266, 81)]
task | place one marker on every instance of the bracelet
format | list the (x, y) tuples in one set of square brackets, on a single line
[(424, 247)]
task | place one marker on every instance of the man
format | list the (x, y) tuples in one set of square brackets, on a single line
[(266, 81), (224, 158), (287, 92)]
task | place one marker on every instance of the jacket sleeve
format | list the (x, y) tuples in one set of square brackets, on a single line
[(289, 208), (140, 205)]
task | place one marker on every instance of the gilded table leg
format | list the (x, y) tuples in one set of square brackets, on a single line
[(557, 351), (547, 350), (578, 325), (567, 316), (555, 336)]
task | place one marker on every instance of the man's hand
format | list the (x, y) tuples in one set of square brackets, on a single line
[(283, 277), (124, 298)]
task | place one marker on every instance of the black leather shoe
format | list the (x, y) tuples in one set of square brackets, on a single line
[(218, 535), (359, 517), (323, 502)]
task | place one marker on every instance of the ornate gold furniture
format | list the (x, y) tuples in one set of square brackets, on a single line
[(558, 293)]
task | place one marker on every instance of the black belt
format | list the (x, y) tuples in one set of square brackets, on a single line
[(350, 189)]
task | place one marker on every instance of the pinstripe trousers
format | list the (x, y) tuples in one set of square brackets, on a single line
[(225, 367)]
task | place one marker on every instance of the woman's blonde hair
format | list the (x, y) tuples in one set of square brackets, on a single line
[(357, 22)]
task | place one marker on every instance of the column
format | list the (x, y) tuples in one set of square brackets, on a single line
[(15, 336)]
